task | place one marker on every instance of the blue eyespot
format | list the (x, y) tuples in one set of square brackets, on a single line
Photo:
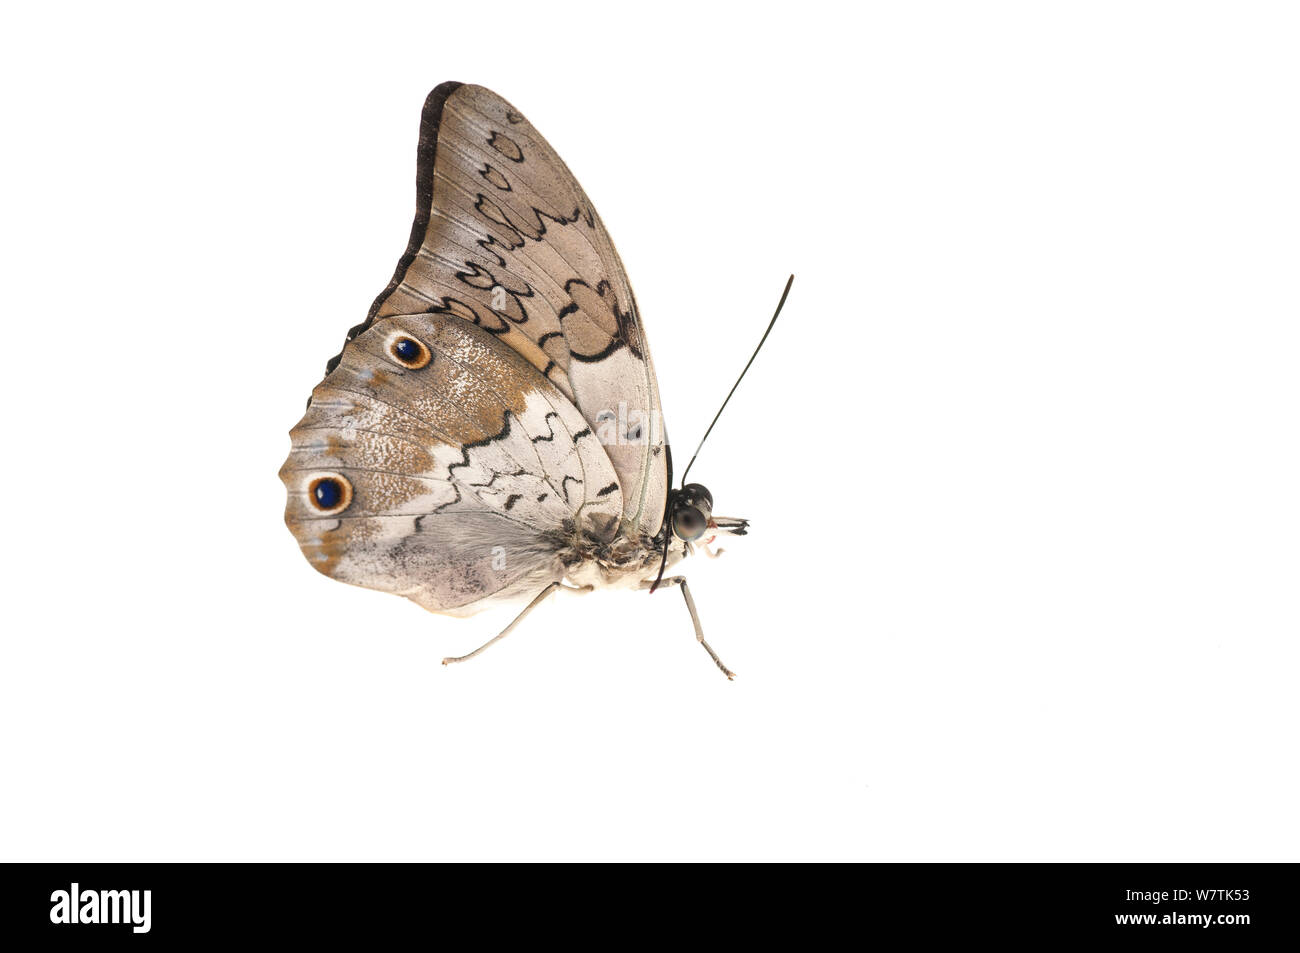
[(409, 352), (330, 493)]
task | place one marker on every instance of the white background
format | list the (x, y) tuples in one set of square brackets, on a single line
[(1021, 456)]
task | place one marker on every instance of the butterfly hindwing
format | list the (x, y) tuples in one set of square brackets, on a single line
[(465, 469)]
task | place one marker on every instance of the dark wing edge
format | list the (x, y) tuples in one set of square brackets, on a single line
[(426, 158)]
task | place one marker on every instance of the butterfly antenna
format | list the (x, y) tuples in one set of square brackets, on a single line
[(779, 306), (663, 562)]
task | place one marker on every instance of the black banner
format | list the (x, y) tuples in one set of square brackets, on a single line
[(133, 904)]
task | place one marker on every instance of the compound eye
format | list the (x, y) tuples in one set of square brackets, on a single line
[(698, 492), (409, 352), (330, 493), (689, 523)]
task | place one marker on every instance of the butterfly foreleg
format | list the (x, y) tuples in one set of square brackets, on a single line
[(537, 600), (695, 618)]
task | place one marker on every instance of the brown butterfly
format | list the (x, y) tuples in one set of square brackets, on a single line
[(492, 431)]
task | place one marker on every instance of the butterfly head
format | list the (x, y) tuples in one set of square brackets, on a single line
[(690, 514)]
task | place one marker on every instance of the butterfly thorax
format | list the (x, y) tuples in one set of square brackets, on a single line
[(623, 562)]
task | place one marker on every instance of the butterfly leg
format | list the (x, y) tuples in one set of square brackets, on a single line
[(537, 600), (695, 618)]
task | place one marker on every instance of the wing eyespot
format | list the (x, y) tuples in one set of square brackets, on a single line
[(330, 493), (409, 352)]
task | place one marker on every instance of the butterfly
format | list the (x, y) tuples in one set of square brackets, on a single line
[(492, 431)]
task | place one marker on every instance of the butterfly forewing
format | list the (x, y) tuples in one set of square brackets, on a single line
[(505, 237)]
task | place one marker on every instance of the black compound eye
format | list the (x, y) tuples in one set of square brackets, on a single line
[(330, 493), (409, 352), (699, 493), (689, 523)]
